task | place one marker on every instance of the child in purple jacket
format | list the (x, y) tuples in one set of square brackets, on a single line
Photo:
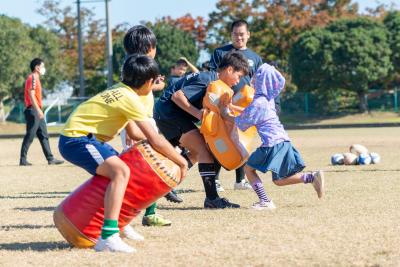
[(276, 153)]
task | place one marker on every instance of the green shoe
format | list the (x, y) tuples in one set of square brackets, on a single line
[(155, 220)]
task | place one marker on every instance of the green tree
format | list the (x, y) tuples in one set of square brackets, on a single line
[(48, 48), (172, 43), (392, 23), (118, 49), (350, 54), (17, 49), (19, 44)]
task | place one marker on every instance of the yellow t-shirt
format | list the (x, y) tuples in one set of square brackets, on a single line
[(148, 102), (107, 113)]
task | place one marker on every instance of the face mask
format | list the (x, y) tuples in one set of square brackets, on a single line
[(42, 71)]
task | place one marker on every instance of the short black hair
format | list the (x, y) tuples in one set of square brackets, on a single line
[(36, 61), (182, 62), (139, 40), (236, 60), (205, 65), (138, 69), (238, 23)]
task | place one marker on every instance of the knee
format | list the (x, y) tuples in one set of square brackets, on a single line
[(123, 173), (205, 155), (246, 168), (278, 182)]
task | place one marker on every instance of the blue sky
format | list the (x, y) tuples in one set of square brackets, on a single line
[(132, 11)]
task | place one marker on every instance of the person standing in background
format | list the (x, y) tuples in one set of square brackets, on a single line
[(34, 117)]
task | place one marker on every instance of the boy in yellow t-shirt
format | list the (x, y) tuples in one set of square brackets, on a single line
[(141, 40), (100, 119)]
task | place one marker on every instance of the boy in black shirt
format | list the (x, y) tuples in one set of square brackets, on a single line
[(180, 107)]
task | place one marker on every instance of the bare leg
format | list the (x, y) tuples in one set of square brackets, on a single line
[(118, 172), (251, 174), (294, 179), (195, 143), (258, 187)]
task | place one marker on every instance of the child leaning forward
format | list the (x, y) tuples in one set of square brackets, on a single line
[(100, 119), (276, 153)]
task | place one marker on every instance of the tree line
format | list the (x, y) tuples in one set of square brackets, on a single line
[(323, 47)]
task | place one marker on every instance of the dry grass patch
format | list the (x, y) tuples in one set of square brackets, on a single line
[(356, 224)]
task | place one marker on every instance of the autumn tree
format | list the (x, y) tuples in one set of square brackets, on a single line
[(276, 24), (195, 27), (63, 22)]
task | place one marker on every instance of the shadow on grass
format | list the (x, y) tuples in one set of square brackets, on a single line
[(32, 195), (365, 170), (35, 246), (46, 193), (24, 226), (185, 191), (28, 197), (160, 207), (36, 209)]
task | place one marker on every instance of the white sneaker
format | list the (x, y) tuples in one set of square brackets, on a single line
[(114, 244), (319, 183), (269, 205), (130, 233), (219, 186), (243, 185)]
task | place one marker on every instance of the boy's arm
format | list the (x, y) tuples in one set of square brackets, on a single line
[(224, 111), (225, 103), (160, 144), (181, 101), (235, 108), (226, 116), (191, 66), (159, 83), (134, 132)]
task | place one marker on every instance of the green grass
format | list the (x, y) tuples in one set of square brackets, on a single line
[(355, 118)]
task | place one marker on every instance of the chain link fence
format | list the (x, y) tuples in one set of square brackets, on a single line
[(308, 104)]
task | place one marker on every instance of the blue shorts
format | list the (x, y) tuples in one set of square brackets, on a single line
[(283, 160), (85, 152)]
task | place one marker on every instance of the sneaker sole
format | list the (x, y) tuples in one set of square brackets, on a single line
[(155, 225), (321, 192), (246, 188)]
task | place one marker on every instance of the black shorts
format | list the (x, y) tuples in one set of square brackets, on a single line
[(173, 129)]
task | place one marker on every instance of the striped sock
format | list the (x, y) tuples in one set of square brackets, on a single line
[(259, 189), (207, 173), (307, 177), (109, 228)]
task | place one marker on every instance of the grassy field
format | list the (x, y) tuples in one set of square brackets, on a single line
[(356, 224), (375, 117)]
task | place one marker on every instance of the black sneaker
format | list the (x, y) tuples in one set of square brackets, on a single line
[(219, 203), (24, 163), (55, 162), (173, 197)]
